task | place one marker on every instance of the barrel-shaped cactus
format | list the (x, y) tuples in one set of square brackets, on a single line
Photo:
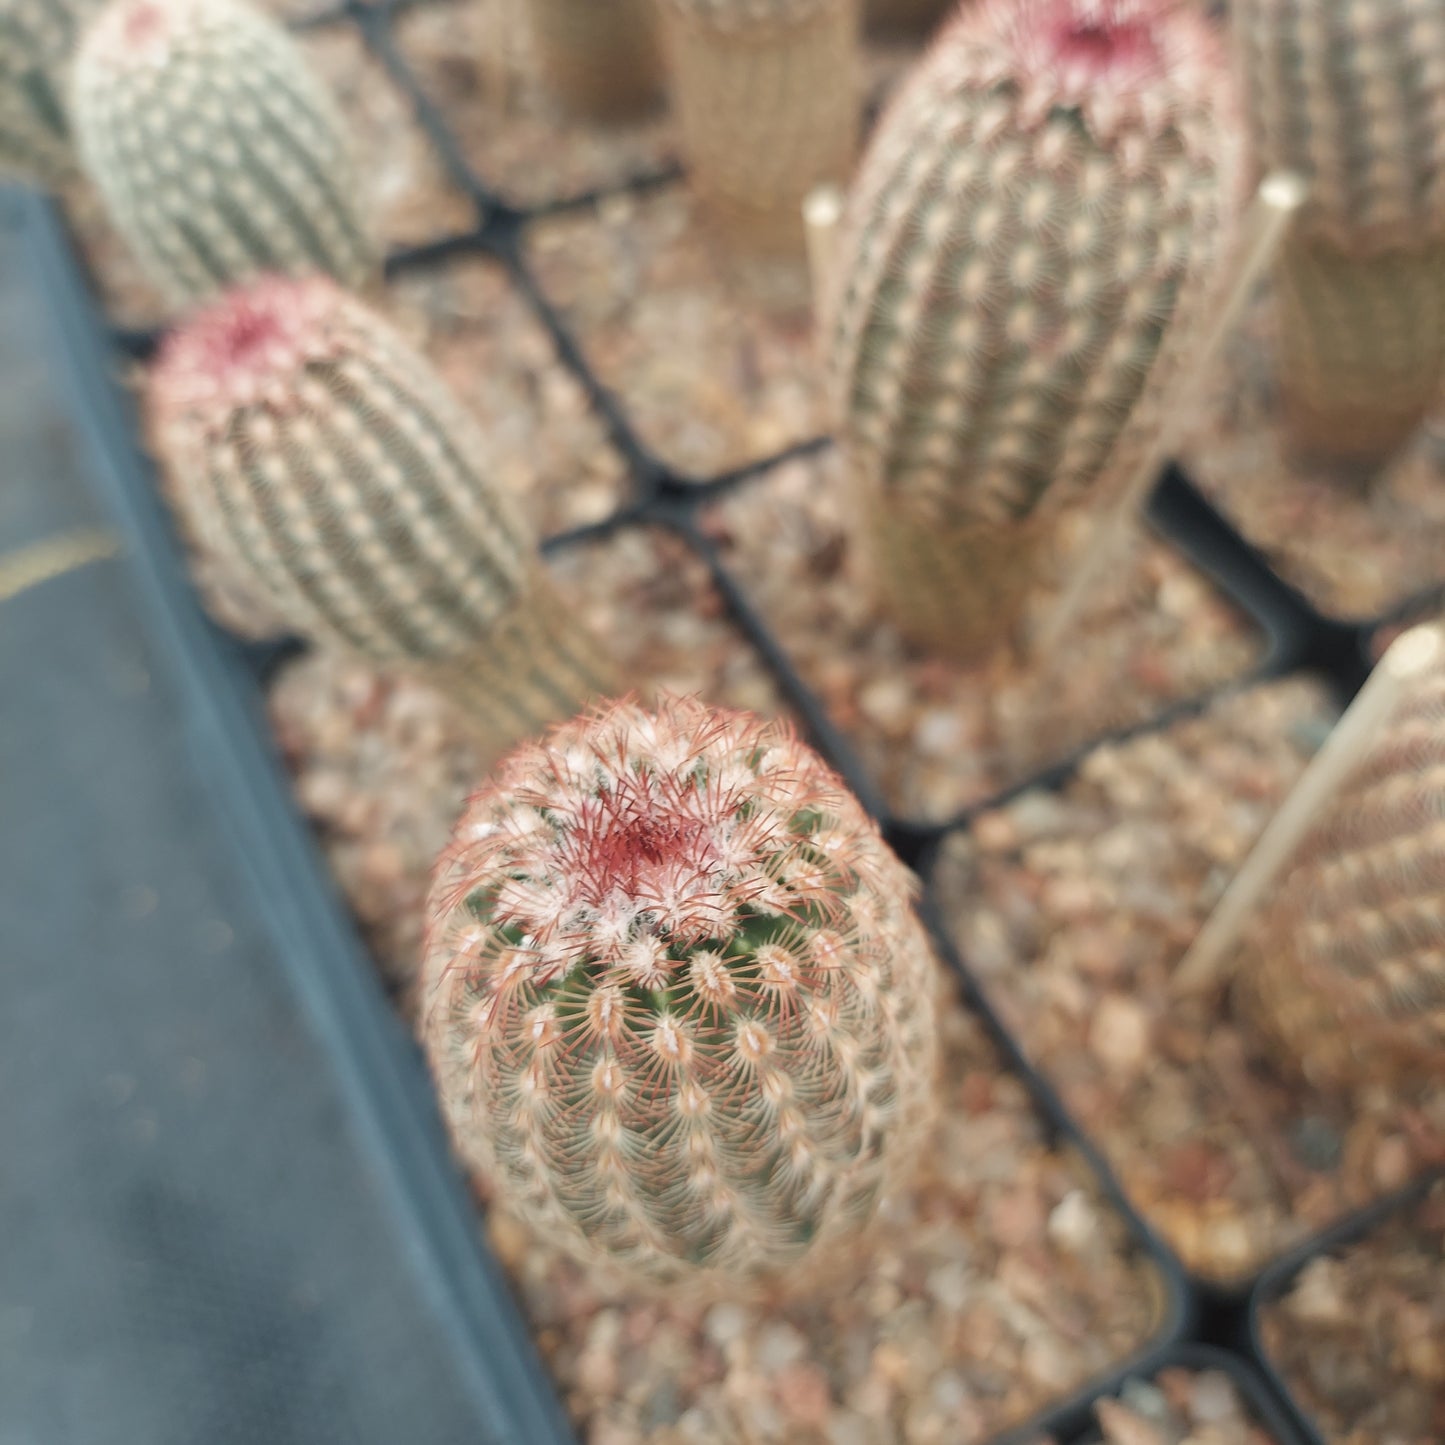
[(680, 1010), (1351, 95), (601, 60), (36, 41), (218, 153), (768, 96), (1023, 254), (322, 462), (1346, 967)]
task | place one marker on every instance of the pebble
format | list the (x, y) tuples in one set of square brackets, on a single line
[(1073, 1222), (778, 1345), (727, 1322), (1212, 1400), (1122, 1426), (1119, 1034)]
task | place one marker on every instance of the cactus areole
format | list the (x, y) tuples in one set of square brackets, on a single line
[(679, 1005)]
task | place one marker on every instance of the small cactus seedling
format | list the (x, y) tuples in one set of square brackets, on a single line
[(768, 96), (600, 58), (217, 152), (324, 464), (36, 40), (681, 1010), (1346, 968), (1021, 260), (1351, 95)]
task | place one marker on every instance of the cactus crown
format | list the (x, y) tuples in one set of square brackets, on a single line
[(218, 153), (1036, 214), (684, 1006)]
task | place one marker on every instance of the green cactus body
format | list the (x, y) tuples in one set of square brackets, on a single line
[(1023, 254), (681, 1012), (1346, 968), (768, 95), (1351, 95), (600, 58), (216, 150), (327, 468), (36, 39)]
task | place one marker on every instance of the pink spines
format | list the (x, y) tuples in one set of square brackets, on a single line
[(1121, 63), (132, 35), (249, 348), (625, 824)]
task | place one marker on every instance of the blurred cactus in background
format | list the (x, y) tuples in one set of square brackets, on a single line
[(36, 41), (217, 152), (1351, 95), (1022, 258), (600, 58), (322, 461), (681, 1010), (768, 96), (1346, 969)]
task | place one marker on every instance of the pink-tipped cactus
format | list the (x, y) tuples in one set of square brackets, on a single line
[(218, 153), (1351, 94), (603, 61), (1024, 253), (327, 468), (681, 1011), (1346, 969), (768, 96)]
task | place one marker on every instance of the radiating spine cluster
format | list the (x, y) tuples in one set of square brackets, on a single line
[(1027, 244), (36, 40), (217, 152), (308, 449), (1347, 966), (600, 60), (767, 93), (681, 1011), (1351, 94)]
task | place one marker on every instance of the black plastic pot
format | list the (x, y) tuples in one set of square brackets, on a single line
[(422, 1233)]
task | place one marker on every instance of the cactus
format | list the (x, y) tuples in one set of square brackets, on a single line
[(602, 60), (1021, 259), (768, 95), (681, 1011), (1351, 94), (314, 455), (1346, 968), (217, 152), (36, 39)]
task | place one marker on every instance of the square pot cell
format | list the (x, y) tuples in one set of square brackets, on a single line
[(474, 63), (410, 197), (711, 377), (998, 1284), (1355, 550), (937, 735), (1358, 1334), (382, 765), (1075, 906)]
